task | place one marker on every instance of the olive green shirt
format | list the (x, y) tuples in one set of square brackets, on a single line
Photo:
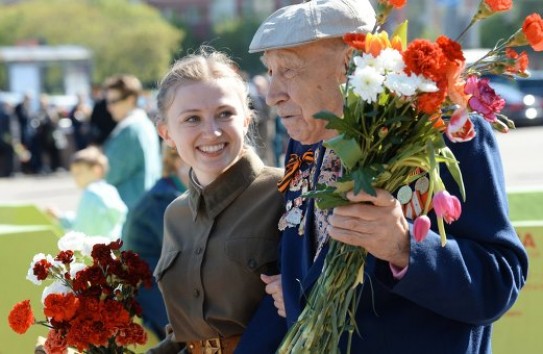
[(217, 242)]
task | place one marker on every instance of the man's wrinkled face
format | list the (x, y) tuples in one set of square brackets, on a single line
[(305, 80)]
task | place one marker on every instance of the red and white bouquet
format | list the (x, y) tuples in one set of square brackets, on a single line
[(89, 304), (400, 101)]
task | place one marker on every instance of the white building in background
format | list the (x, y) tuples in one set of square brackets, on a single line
[(27, 66)]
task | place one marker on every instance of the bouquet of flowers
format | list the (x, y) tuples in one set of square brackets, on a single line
[(400, 100), (90, 303)]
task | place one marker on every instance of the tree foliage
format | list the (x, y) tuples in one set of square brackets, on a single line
[(234, 38), (124, 37)]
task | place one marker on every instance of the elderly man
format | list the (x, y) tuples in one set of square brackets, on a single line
[(418, 297)]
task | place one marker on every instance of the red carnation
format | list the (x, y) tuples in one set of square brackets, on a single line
[(21, 317), (451, 49), (61, 307), (533, 30), (55, 343), (131, 334), (41, 269), (355, 40), (423, 57)]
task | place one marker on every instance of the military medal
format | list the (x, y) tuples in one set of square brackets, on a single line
[(422, 185), (404, 194)]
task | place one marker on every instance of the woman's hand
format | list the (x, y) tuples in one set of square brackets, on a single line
[(275, 289)]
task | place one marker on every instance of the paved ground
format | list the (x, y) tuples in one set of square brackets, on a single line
[(521, 149)]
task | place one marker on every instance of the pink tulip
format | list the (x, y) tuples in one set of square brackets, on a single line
[(421, 226), (447, 206)]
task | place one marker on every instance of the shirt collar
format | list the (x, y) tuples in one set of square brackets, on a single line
[(215, 197)]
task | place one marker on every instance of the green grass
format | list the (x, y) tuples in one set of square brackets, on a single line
[(526, 206)]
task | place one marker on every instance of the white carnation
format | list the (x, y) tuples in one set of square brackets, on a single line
[(40, 256), (76, 267), (73, 241), (90, 241), (57, 287)]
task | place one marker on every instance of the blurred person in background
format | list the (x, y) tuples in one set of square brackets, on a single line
[(49, 139), (79, 116), (101, 211), (6, 143), (258, 88), (144, 228), (101, 123), (26, 132), (133, 146)]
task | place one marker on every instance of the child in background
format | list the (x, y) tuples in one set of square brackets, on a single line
[(101, 211)]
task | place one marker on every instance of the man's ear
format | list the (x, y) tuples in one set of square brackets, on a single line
[(347, 59)]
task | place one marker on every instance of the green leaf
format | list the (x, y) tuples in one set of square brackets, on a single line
[(363, 179), (348, 150), (327, 197), (401, 31), (454, 169), (337, 123)]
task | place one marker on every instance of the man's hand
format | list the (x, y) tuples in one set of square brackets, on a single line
[(275, 289), (375, 223)]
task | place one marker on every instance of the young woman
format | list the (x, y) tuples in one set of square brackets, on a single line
[(222, 234)]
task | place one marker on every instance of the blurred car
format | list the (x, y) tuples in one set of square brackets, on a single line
[(532, 85), (522, 108)]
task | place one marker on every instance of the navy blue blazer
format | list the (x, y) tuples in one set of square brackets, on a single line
[(448, 298)]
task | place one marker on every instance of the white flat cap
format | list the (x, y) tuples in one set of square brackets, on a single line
[(309, 21)]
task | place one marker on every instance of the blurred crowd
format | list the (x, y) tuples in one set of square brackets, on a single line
[(42, 140)]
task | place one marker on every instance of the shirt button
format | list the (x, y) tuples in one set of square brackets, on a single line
[(198, 250), (251, 263), (196, 293)]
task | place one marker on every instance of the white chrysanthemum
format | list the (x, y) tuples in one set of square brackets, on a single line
[(367, 83), (30, 274), (90, 241), (427, 85), (402, 84), (56, 287), (390, 60), (364, 61), (73, 241)]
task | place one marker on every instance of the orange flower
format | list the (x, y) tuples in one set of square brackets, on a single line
[(61, 307), (21, 317), (520, 63), (396, 43), (429, 103), (423, 57), (499, 5), (355, 40), (398, 4), (438, 122), (375, 43), (533, 30), (488, 8)]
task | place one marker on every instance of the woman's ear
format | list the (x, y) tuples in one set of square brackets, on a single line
[(164, 133)]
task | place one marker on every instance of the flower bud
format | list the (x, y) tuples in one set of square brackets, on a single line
[(421, 226)]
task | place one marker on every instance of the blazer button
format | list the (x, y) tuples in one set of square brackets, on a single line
[(252, 263), (198, 250), (196, 293)]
